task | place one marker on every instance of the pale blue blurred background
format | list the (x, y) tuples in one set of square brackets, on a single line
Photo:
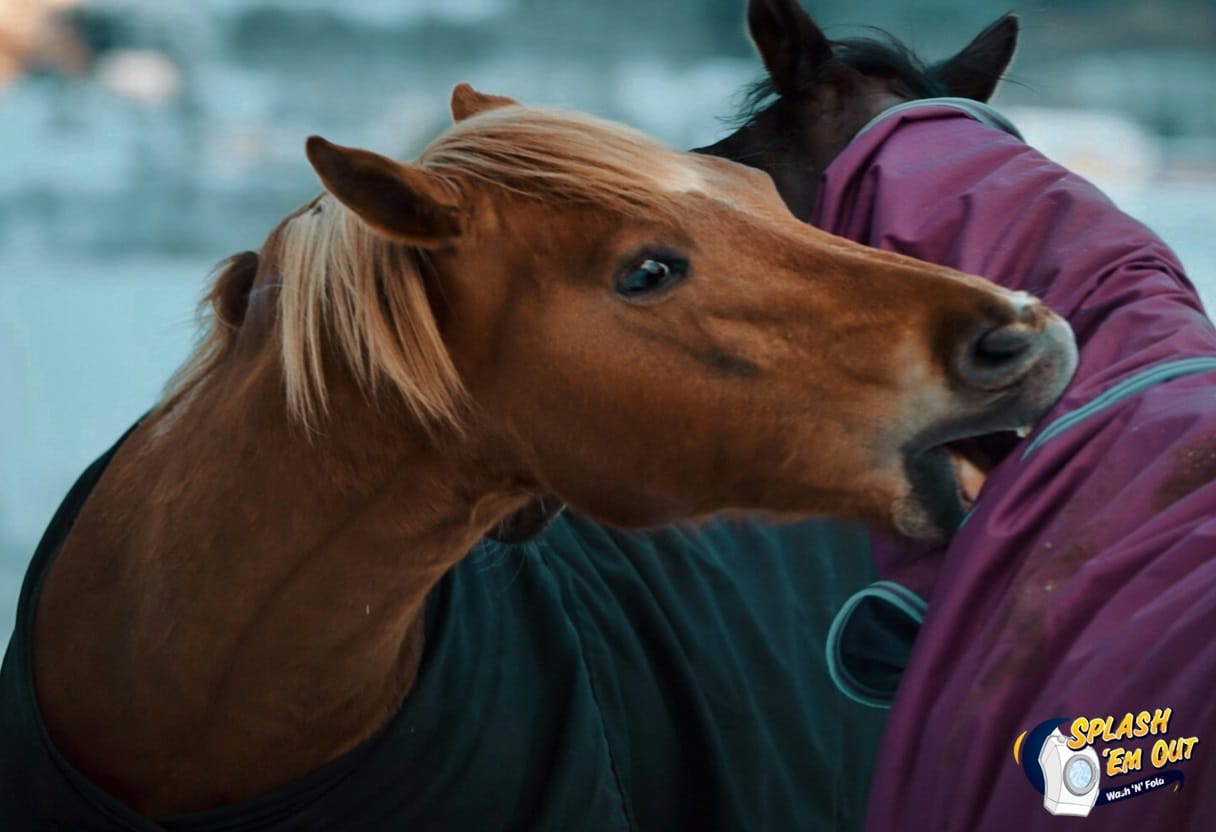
[(143, 140)]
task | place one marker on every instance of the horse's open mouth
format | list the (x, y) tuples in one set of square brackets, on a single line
[(946, 483)]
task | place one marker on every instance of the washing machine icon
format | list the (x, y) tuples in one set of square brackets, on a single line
[(1070, 778)]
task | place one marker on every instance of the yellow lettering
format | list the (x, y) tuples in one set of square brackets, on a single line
[(1160, 753), (1124, 731), (1143, 720), (1121, 761), (1173, 751), (1086, 731), (1100, 728), (1079, 726)]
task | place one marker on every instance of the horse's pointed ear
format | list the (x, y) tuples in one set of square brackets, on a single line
[(402, 202), (467, 101), (976, 70), (789, 42)]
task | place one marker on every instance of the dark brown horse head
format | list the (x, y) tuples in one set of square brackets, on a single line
[(651, 335), (819, 92)]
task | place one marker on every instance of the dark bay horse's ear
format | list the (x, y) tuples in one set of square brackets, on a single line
[(976, 70), (789, 42), (467, 101), (403, 202)]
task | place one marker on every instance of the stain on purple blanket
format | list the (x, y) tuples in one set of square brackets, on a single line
[(1194, 467)]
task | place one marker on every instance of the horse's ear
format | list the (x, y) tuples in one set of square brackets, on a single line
[(403, 202), (467, 101), (789, 42), (976, 70)]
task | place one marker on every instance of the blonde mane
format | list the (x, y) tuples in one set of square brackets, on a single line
[(566, 157), (348, 293)]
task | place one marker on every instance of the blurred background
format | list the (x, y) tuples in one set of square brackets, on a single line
[(141, 141)]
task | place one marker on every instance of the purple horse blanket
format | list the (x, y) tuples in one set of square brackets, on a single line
[(1066, 660)]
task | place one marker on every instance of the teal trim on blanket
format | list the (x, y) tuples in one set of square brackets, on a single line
[(889, 592), (979, 111), (918, 604), (1128, 387)]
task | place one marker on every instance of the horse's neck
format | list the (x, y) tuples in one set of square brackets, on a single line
[(238, 604)]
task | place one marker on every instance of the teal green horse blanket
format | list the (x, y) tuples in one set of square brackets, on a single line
[(589, 680)]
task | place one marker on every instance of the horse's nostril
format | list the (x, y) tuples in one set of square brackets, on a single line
[(1001, 345), (997, 357)]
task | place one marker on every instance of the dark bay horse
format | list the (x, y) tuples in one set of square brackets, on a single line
[(232, 607), (819, 93), (1067, 628)]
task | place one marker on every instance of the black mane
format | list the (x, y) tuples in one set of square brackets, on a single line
[(880, 56)]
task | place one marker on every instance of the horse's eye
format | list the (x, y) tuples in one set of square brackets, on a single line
[(651, 275)]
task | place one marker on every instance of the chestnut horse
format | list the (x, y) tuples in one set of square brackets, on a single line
[(817, 96), (542, 303), (1082, 584)]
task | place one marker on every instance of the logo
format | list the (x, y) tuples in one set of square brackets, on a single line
[(1061, 761)]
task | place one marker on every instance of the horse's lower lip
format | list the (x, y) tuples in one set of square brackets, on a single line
[(946, 484)]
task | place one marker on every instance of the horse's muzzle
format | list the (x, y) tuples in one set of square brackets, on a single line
[(1005, 378)]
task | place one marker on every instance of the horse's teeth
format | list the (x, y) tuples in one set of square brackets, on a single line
[(1023, 431)]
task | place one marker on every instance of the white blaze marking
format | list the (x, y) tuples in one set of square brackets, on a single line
[(681, 178)]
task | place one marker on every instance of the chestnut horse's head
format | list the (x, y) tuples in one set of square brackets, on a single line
[(819, 93), (650, 335)]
